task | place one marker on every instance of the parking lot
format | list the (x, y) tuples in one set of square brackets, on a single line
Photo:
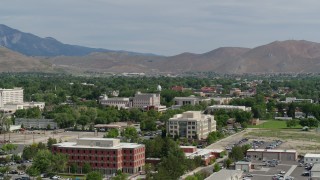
[(290, 168)]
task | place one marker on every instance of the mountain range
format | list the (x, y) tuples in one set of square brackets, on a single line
[(27, 52)]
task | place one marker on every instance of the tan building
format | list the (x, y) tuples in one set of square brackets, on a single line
[(192, 100), (115, 101), (144, 100), (14, 95), (191, 124)]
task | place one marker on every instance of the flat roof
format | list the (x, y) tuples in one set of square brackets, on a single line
[(224, 174), (243, 162), (117, 146), (312, 155), (316, 167), (272, 150)]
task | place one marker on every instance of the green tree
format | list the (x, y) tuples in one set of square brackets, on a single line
[(292, 123), (113, 133), (9, 147), (130, 133), (236, 153), (216, 167), (83, 121), (33, 171), (228, 162), (58, 163), (42, 161), (73, 168), (86, 168), (94, 175), (50, 142)]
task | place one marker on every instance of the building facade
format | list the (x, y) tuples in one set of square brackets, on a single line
[(105, 155), (269, 154), (191, 124), (14, 95), (311, 158), (116, 102), (143, 100), (36, 123), (227, 108)]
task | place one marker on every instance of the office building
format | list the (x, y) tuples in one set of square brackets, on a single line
[(191, 124), (14, 95), (106, 155)]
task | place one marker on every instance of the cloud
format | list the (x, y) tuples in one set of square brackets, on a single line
[(165, 27)]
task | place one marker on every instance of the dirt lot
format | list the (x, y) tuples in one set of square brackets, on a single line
[(302, 141), (29, 137)]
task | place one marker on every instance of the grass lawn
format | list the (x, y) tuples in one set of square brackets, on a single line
[(274, 124)]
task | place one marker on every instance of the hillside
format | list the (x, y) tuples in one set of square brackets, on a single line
[(279, 56), (32, 45), (14, 62)]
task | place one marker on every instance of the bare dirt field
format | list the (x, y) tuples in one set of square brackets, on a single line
[(302, 141)]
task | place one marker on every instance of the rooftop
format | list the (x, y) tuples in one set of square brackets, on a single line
[(272, 150), (103, 144), (225, 174), (312, 155), (316, 167)]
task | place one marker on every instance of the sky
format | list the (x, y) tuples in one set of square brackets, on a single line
[(165, 27)]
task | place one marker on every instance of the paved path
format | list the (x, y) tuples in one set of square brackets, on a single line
[(222, 143), (293, 167)]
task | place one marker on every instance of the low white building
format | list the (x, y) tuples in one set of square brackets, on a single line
[(13, 107), (243, 165), (311, 158), (228, 108), (192, 100), (36, 123), (115, 101)]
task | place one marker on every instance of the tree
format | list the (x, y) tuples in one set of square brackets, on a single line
[(83, 121), (228, 162), (113, 133), (86, 168), (73, 168), (33, 171), (216, 167), (42, 161), (292, 123), (29, 151), (130, 133), (236, 153), (94, 175), (9, 147), (58, 163), (50, 142)]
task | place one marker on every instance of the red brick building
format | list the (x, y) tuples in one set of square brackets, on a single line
[(106, 155)]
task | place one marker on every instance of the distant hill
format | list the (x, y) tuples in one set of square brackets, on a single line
[(31, 45), (15, 62), (290, 56), (277, 57)]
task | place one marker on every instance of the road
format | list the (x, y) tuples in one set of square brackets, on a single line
[(221, 144)]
